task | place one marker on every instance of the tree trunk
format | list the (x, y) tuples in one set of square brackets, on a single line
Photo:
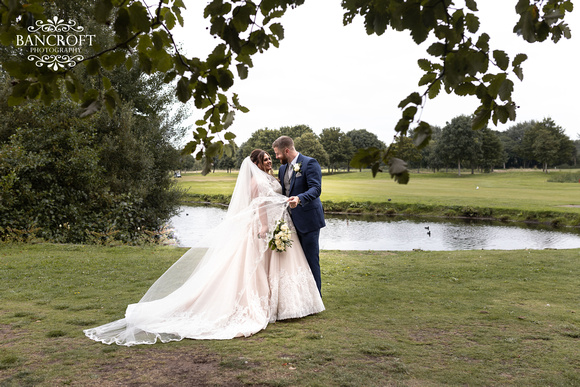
[(458, 168)]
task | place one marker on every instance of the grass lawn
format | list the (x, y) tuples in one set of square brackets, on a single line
[(525, 191), (475, 318)]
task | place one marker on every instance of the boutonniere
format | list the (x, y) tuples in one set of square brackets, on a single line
[(297, 167)]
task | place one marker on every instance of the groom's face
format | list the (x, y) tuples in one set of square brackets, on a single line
[(281, 155)]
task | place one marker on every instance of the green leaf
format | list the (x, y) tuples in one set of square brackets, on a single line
[(422, 135), (414, 98), (242, 16), (434, 89), (157, 40), (379, 23), (366, 157), (111, 59), (409, 113), (102, 10), (427, 78), (277, 30), (402, 126), (242, 70), (471, 5), (139, 17), (398, 170), (182, 91), (436, 49), (229, 136), (122, 24), (519, 59), (483, 42), (70, 87), (106, 83), (145, 63), (501, 59), (465, 88), (519, 73), (229, 119), (505, 90), (93, 66), (169, 17), (214, 149), (472, 23), (425, 65), (110, 104), (201, 134), (501, 113), (20, 89), (496, 83), (225, 78), (481, 118), (189, 148)]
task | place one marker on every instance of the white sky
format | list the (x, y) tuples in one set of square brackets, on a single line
[(326, 75)]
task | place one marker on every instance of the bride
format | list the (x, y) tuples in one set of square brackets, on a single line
[(231, 285)]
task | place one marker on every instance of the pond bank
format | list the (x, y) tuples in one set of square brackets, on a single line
[(555, 218)]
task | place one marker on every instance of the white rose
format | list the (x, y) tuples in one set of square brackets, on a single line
[(284, 227)]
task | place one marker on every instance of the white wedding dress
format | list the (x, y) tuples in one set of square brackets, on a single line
[(231, 285)]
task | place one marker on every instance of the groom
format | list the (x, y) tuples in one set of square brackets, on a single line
[(301, 181)]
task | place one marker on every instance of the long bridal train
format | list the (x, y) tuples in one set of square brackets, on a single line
[(231, 285)]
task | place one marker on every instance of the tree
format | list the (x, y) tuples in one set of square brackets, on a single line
[(363, 139), (74, 179), (260, 139), (405, 149), (545, 148), (309, 144), (577, 144), (512, 140), (225, 162), (546, 143), (295, 131), (338, 147), (99, 174), (429, 153), (460, 56), (492, 152), (459, 143)]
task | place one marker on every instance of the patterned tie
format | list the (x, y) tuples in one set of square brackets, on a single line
[(287, 176)]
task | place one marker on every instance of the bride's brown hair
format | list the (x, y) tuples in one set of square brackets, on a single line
[(257, 157)]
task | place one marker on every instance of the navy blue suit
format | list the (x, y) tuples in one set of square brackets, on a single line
[(308, 216)]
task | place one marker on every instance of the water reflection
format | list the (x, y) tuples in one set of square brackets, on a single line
[(395, 233)]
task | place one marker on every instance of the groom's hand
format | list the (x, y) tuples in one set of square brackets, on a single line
[(294, 201)]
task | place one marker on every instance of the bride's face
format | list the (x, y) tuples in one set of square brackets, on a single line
[(267, 163)]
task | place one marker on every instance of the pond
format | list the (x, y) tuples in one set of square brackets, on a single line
[(356, 232)]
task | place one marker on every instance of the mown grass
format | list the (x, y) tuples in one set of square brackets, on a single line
[(475, 318)]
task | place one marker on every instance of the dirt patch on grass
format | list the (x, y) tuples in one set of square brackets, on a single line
[(8, 334), (160, 367)]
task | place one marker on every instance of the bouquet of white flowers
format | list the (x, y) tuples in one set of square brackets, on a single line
[(280, 239)]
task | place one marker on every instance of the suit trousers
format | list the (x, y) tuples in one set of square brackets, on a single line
[(310, 245)]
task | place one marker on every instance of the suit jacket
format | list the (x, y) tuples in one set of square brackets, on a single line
[(307, 185)]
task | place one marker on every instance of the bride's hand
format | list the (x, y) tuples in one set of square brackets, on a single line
[(263, 232)]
